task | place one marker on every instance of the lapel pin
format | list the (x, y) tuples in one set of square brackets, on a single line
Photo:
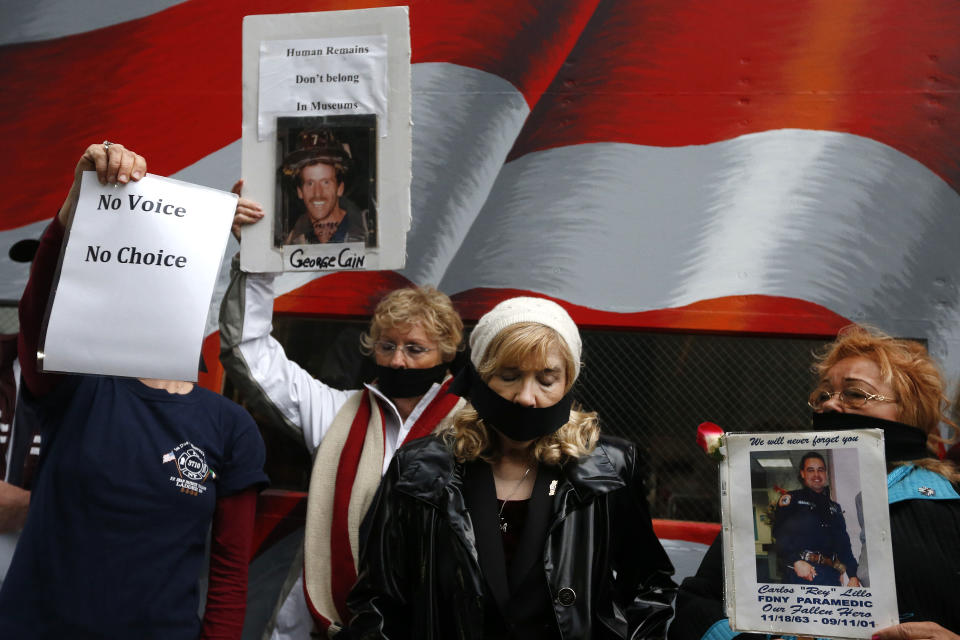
[(553, 487)]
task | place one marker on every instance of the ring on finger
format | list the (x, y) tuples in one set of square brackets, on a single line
[(106, 145)]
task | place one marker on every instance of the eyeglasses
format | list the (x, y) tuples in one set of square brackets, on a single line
[(411, 349), (850, 398)]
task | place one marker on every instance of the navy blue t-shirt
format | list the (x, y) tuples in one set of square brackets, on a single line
[(125, 494)]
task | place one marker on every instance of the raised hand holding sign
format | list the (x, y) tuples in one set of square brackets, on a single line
[(137, 271)]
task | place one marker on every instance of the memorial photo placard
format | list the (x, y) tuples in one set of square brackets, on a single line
[(327, 139), (807, 534)]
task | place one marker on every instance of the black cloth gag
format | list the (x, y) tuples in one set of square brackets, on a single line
[(901, 441), (409, 383), (515, 421)]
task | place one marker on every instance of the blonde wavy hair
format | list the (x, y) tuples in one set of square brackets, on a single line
[(525, 344), (914, 377), (426, 306)]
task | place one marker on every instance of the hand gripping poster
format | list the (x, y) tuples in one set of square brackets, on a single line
[(807, 534), (326, 139)]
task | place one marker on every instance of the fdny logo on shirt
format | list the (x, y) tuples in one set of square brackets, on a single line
[(192, 471)]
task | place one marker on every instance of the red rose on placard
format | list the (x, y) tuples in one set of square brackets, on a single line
[(710, 439)]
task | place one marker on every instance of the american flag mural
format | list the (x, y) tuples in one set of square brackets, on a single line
[(735, 166)]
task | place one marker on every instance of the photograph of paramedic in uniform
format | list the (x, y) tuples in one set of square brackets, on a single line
[(810, 536)]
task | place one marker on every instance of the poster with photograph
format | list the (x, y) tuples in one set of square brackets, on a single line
[(807, 534), (327, 139)]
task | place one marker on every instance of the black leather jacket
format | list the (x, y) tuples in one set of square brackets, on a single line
[(421, 577)]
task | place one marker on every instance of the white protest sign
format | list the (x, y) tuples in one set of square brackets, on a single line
[(325, 76), (136, 276), (801, 512)]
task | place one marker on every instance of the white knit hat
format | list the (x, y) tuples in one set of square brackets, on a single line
[(516, 310)]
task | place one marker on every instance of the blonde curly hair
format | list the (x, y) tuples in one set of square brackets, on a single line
[(914, 377), (426, 306), (524, 344)]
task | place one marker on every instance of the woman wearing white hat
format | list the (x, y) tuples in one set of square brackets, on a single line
[(519, 520)]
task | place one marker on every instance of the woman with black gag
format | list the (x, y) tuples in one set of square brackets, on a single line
[(867, 379), (519, 520)]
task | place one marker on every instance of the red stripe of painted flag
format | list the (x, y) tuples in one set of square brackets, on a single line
[(355, 294), (689, 72)]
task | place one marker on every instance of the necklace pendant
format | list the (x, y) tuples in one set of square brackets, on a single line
[(503, 525)]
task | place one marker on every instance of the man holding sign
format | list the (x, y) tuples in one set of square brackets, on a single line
[(134, 472)]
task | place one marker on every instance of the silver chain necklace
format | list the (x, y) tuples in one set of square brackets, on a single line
[(503, 523)]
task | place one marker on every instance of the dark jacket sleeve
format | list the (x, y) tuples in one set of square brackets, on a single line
[(643, 587), (33, 306), (700, 603), (379, 598), (700, 598)]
